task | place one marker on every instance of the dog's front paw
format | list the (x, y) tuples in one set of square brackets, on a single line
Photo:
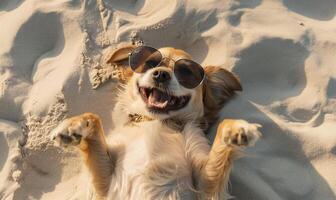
[(74, 130), (239, 133)]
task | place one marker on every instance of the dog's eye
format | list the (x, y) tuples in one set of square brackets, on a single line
[(188, 73), (185, 71)]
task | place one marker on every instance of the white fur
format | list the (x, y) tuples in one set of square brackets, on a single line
[(151, 143)]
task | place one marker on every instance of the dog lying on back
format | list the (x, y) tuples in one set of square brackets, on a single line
[(158, 149)]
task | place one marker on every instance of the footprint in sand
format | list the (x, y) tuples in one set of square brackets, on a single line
[(272, 70), (8, 5), (319, 10), (238, 10), (31, 38)]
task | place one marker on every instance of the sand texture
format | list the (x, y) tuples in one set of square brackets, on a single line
[(52, 65)]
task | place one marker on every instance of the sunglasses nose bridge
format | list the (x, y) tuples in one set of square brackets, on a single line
[(167, 62)]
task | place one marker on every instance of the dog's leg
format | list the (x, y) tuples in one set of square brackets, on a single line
[(232, 135), (85, 132)]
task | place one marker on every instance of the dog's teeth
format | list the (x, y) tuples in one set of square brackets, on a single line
[(162, 105), (153, 102), (172, 101), (159, 99)]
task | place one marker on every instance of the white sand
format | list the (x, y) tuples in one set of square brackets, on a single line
[(51, 58)]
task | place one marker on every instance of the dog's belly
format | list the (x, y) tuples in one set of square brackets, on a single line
[(152, 167)]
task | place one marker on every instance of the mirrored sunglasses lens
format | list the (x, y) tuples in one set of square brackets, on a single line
[(144, 58), (189, 73)]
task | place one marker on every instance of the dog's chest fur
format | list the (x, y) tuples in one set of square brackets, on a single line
[(154, 163)]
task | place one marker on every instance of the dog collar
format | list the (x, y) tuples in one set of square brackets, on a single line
[(136, 118), (172, 123)]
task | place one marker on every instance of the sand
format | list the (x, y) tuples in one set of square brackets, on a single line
[(52, 66)]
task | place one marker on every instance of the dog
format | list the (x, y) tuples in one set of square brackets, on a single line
[(158, 149)]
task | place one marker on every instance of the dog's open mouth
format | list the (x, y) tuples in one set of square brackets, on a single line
[(161, 101)]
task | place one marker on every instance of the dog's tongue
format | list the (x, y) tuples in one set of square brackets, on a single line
[(158, 99)]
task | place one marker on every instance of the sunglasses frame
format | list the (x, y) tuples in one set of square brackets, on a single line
[(162, 59)]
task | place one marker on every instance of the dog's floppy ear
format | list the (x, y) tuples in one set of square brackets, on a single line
[(218, 87), (119, 58), (120, 54)]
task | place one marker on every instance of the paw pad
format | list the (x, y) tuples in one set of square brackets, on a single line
[(69, 133), (240, 133)]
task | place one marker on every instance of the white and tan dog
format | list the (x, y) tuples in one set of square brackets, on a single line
[(158, 149)]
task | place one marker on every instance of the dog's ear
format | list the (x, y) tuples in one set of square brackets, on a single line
[(120, 54), (218, 87), (119, 59)]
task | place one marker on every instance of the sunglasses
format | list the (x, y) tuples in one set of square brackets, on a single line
[(188, 73)]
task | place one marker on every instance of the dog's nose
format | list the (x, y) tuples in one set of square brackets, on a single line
[(161, 76)]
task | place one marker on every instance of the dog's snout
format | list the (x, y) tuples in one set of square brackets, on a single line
[(161, 76)]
